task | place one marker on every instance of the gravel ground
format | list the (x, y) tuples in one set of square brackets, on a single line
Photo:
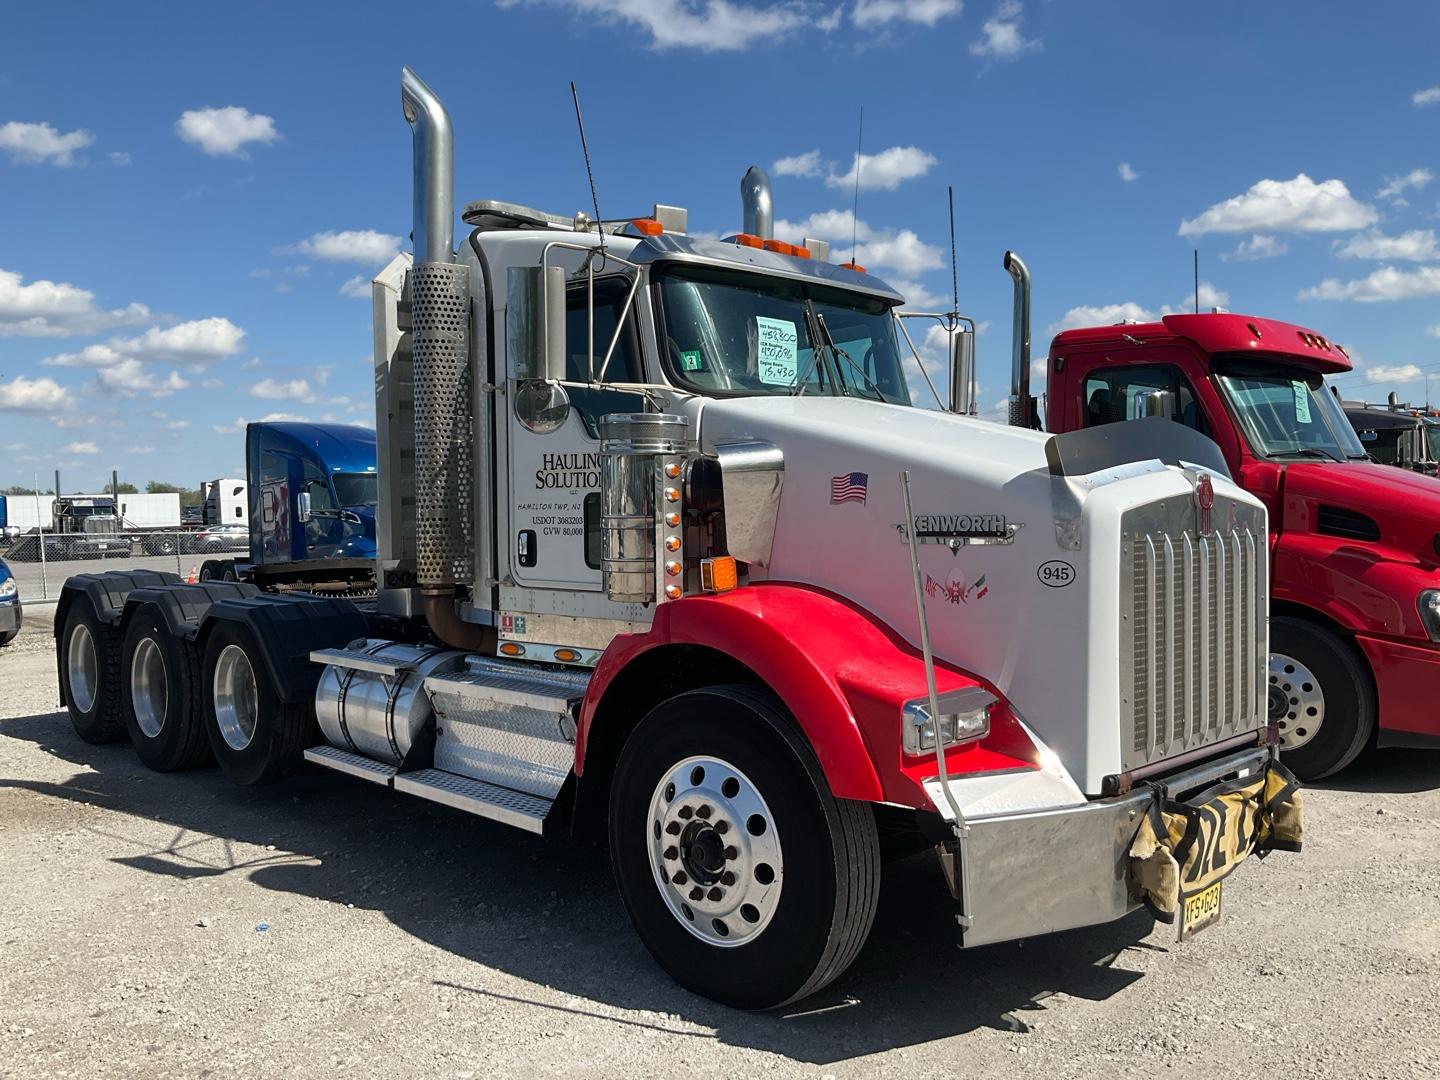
[(156, 926)]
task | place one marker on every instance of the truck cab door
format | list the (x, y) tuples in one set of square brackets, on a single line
[(554, 463)]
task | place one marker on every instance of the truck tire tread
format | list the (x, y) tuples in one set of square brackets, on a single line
[(105, 723)]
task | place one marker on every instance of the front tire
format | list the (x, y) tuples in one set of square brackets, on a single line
[(161, 695), (1322, 697), (745, 878), (90, 671), (256, 737)]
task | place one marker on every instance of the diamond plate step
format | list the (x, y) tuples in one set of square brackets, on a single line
[(353, 764), (491, 801), (507, 723)]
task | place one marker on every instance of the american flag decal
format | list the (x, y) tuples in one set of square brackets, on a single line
[(849, 486)]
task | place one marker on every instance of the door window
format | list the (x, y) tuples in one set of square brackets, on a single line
[(1110, 395), (625, 364)]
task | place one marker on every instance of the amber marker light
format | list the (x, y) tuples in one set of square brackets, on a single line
[(672, 494), (672, 470), (719, 574), (673, 592), (672, 543), (672, 519), (566, 656), (672, 568), (511, 648), (647, 226)]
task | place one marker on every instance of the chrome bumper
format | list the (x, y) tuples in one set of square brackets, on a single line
[(1018, 875)]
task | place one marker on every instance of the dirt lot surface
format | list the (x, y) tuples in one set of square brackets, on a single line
[(156, 926)]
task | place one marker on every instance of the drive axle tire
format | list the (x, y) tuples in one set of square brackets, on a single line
[(1321, 696), (7, 637), (745, 878), (256, 737), (90, 670), (160, 689)]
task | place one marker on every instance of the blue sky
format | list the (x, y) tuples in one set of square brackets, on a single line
[(172, 185)]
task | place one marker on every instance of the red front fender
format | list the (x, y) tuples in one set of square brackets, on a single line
[(842, 674)]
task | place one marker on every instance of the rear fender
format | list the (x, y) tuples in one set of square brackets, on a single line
[(287, 628), (183, 606), (842, 675)]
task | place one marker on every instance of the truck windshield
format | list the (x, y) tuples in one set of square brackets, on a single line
[(729, 333), (357, 489), (1286, 412)]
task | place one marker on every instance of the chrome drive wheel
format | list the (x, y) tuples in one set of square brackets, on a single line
[(236, 704), (162, 693), (746, 879), (149, 694), (82, 668), (715, 852), (255, 735)]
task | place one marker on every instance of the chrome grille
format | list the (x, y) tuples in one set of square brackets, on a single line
[(1193, 643)]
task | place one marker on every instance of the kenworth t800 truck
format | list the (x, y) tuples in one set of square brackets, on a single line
[(667, 552)]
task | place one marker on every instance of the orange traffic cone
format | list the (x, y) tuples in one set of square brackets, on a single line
[(194, 575)]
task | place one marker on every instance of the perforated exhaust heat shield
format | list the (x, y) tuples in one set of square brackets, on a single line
[(440, 308)]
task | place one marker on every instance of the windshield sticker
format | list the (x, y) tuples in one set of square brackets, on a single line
[(692, 360), (778, 352), (1302, 402)]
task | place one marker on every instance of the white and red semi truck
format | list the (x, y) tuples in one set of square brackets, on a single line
[(667, 553)]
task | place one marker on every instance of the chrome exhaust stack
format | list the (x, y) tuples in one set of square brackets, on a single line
[(759, 212), (439, 294), (1022, 407)]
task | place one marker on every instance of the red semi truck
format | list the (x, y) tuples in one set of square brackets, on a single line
[(1355, 546)]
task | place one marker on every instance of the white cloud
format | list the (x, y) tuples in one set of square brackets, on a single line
[(1298, 205), (1387, 283), (918, 297), (1433, 331), (213, 384), (1396, 186), (1417, 245), (32, 395), (119, 157), (1257, 247), (806, 164), (708, 25), (1000, 36), (189, 344), (177, 425), (349, 245), (35, 144), (80, 448), (1207, 296), (887, 169), (357, 288), (274, 390), (130, 379), (899, 250), (924, 12), (1102, 315), (1426, 97), (140, 450), (225, 131), (1392, 373), (56, 309), (1127, 173)]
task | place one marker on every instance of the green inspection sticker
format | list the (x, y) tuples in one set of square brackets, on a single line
[(692, 360)]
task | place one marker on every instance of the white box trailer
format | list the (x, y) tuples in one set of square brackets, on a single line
[(149, 512), (26, 513)]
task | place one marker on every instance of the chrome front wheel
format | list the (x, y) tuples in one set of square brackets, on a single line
[(1296, 701), (715, 851)]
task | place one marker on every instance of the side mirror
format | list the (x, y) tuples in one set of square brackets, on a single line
[(962, 367), (535, 322), (302, 506), (1152, 403)]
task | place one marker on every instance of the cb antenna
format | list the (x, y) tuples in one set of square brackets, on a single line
[(589, 173), (855, 208), (954, 271), (1197, 281)]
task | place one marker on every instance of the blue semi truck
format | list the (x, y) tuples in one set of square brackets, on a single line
[(313, 489)]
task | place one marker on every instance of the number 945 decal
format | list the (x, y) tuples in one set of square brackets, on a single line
[(1057, 573)]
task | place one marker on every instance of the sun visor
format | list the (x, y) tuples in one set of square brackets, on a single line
[(1153, 438)]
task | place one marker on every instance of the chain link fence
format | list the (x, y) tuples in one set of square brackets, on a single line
[(42, 561)]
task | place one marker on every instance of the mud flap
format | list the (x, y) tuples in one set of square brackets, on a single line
[(1183, 848)]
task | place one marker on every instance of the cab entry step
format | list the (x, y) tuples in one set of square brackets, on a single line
[(491, 801)]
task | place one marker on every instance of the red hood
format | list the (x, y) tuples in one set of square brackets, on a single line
[(1405, 505)]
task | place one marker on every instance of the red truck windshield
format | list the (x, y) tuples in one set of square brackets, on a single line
[(1286, 412)]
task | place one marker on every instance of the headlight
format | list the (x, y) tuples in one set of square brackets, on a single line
[(964, 715), (1429, 605), (8, 587)]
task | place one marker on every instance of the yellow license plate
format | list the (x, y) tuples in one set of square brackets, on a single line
[(1201, 910)]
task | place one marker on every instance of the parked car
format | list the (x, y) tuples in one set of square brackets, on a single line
[(11, 614), (223, 538)]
